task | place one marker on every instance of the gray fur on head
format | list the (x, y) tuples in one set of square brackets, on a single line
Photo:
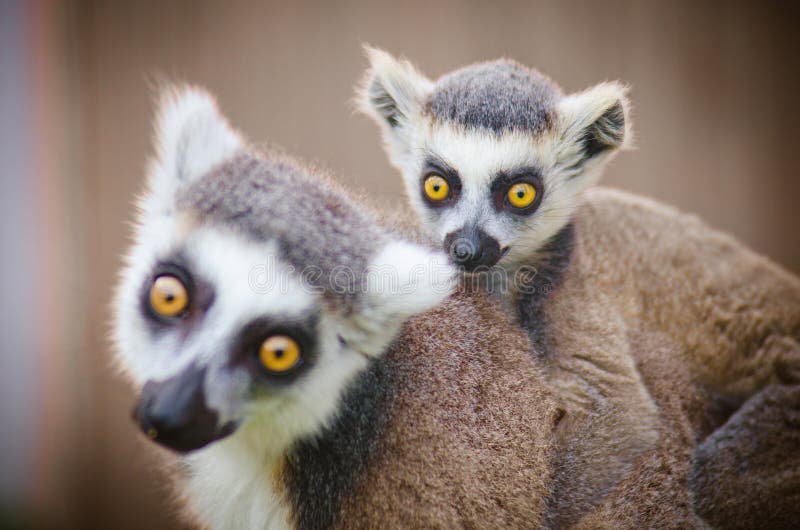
[(318, 228), (500, 95)]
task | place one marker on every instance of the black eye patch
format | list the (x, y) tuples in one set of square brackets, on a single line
[(246, 346), (436, 166), (505, 180), (200, 296)]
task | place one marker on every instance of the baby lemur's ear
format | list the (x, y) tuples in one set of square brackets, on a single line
[(594, 124), (393, 91)]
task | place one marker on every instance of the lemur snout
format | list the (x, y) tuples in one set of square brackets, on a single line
[(174, 412), (471, 247)]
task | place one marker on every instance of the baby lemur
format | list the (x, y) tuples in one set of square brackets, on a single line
[(494, 156)]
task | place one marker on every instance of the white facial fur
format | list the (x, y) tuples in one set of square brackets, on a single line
[(478, 155)]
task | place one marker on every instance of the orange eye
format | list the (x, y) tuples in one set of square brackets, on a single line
[(436, 188), (521, 195), (168, 296), (279, 353)]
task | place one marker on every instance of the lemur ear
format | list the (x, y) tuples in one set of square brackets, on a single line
[(594, 124), (393, 90), (402, 280), (191, 137)]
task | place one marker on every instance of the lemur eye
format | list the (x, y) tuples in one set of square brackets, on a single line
[(521, 195), (436, 188), (279, 353), (168, 296)]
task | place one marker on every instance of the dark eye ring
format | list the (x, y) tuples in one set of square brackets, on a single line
[(169, 294), (520, 196), (439, 189)]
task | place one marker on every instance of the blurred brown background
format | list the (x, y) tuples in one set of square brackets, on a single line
[(713, 84)]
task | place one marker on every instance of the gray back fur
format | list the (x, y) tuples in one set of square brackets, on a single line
[(499, 95), (318, 228)]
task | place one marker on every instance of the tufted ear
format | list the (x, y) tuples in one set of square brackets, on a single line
[(402, 280), (191, 137), (594, 124), (393, 91)]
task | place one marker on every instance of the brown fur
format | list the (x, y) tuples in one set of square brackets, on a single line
[(451, 456), (656, 494), (702, 319), (658, 316), (734, 314), (747, 473)]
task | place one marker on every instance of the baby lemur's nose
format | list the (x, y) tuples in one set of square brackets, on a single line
[(471, 247), (462, 251)]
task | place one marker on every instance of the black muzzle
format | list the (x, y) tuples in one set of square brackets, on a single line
[(174, 414), (471, 248)]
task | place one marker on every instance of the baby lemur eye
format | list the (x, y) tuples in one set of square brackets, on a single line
[(169, 296), (521, 195), (436, 187), (518, 191), (279, 354)]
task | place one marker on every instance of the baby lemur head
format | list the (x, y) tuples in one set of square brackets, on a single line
[(493, 155)]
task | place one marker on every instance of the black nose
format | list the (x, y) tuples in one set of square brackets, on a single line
[(471, 247), (174, 414)]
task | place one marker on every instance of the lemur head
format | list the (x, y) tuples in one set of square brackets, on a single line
[(493, 155), (255, 289)]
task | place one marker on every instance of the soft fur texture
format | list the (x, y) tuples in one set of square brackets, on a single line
[(476, 433), (467, 434), (689, 307), (646, 280), (499, 96), (747, 473), (655, 321), (452, 396), (735, 314)]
